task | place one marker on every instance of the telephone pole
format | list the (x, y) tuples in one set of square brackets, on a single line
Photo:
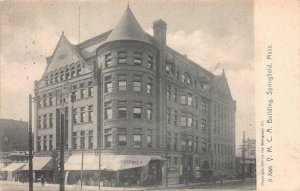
[(30, 144), (243, 156)]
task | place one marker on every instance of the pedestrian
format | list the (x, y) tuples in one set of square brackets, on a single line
[(43, 180)]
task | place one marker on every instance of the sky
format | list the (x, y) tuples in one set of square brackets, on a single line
[(215, 34)]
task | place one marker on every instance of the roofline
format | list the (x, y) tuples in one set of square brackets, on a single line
[(93, 40)]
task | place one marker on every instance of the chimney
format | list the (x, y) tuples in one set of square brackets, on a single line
[(160, 28)]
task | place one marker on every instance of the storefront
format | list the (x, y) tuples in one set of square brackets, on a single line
[(13, 171), (115, 170), (42, 166)]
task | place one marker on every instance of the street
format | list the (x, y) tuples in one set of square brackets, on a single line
[(248, 184)]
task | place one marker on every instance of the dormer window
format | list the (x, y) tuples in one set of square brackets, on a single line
[(186, 78)]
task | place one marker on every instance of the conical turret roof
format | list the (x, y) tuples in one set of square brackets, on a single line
[(128, 28)]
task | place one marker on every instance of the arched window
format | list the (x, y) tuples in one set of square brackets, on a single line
[(61, 75), (47, 80), (51, 78), (73, 72), (67, 74), (78, 69), (56, 77)]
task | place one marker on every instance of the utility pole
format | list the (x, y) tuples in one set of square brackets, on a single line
[(243, 155), (62, 151), (30, 144)]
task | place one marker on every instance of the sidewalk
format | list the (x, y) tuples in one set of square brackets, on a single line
[(94, 188)]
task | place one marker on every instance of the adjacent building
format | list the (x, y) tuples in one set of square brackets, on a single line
[(250, 159), (134, 106)]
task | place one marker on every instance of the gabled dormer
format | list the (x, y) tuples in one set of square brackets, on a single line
[(64, 54)]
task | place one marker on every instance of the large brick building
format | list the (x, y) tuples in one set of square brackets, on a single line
[(135, 98)]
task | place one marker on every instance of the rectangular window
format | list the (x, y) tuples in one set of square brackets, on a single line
[(90, 139), (50, 120), (90, 113), (149, 86), (45, 121), (122, 139), (137, 112), (39, 143), (168, 69), (81, 91), (183, 99), (45, 143), (74, 140), (175, 117), (149, 141), (175, 141), (137, 140), (204, 145), (107, 60), (82, 139), (122, 57), (203, 106), (122, 85), (149, 111), (168, 92), (108, 113), (203, 124), (169, 115), (90, 89), (175, 95), (108, 87), (189, 99), (189, 121), (44, 100), (75, 116), (122, 112), (108, 139), (150, 62), (82, 113), (183, 121), (50, 142), (137, 86), (137, 58), (39, 102), (50, 99), (39, 123)]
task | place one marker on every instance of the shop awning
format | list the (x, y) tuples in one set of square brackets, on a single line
[(74, 162), (40, 163), (13, 167), (108, 162)]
